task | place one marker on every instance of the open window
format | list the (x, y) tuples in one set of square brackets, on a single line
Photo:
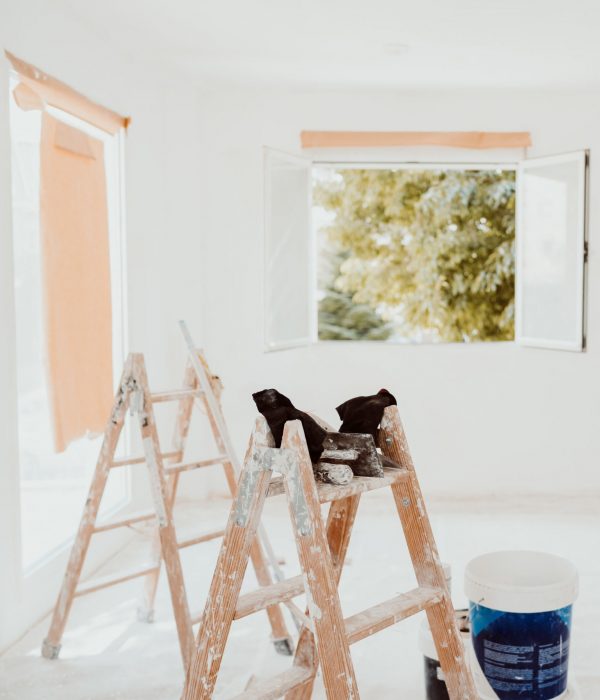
[(511, 240), (288, 286), (551, 251)]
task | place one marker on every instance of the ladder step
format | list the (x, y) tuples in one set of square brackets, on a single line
[(266, 596), (189, 466), (391, 611), (277, 686), (262, 598), (125, 522), (359, 484), (174, 395), (204, 537), (112, 580), (140, 460)]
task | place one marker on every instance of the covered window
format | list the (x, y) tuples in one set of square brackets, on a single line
[(68, 243)]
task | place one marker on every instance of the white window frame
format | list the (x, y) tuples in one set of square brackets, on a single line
[(428, 159), (274, 345), (114, 155), (34, 588), (578, 345)]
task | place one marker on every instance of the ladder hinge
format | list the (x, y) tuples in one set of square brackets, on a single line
[(586, 250)]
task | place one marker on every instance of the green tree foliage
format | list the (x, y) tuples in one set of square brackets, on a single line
[(341, 318), (431, 252)]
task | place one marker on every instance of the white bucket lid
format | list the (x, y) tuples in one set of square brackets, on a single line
[(521, 581)]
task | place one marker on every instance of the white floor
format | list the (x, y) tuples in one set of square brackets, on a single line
[(108, 655)]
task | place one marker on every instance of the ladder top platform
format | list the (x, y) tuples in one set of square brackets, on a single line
[(359, 484)]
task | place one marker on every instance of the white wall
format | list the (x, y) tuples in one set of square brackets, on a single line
[(161, 164), (492, 418), (481, 418)]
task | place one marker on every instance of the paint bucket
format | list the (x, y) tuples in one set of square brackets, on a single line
[(435, 683), (520, 607)]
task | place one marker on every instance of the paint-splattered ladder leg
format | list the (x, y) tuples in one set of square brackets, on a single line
[(51, 645), (339, 529), (426, 561), (231, 565), (319, 574), (182, 426), (281, 637), (168, 539)]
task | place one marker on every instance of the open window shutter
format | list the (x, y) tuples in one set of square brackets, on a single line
[(551, 251), (288, 277)]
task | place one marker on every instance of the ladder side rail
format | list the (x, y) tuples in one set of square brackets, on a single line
[(51, 644), (281, 638), (199, 364), (320, 576), (185, 406), (209, 396), (426, 561), (340, 521), (219, 610), (166, 528)]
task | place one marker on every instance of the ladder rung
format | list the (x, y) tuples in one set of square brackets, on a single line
[(391, 611), (125, 522), (189, 466), (140, 460), (262, 598), (359, 484), (174, 395), (277, 686), (205, 537), (266, 596), (106, 581)]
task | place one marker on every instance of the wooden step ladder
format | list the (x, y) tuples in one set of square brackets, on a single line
[(326, 636), (164, 469)]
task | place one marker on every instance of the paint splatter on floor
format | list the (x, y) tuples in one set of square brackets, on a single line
[(108, 655)]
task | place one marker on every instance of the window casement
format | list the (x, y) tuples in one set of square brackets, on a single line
[(551, 245)]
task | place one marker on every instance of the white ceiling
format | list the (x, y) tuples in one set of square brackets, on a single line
[(349, 43)]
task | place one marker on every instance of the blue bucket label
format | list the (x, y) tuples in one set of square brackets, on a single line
[(523, 655)]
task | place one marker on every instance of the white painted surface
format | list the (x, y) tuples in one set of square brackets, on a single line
[(489, 418), (392, 43), (108, 654), (480, 418), (550, 270)]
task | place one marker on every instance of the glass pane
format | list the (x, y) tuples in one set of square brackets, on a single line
[(414, 255), (54, 484), (551, 231), (287, 251)]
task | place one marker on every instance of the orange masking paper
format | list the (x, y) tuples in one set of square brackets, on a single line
[(382, 139), (52, 91), (75, 280)]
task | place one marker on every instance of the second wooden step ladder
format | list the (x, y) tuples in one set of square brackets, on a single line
[(164, 470), (326, 636)]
